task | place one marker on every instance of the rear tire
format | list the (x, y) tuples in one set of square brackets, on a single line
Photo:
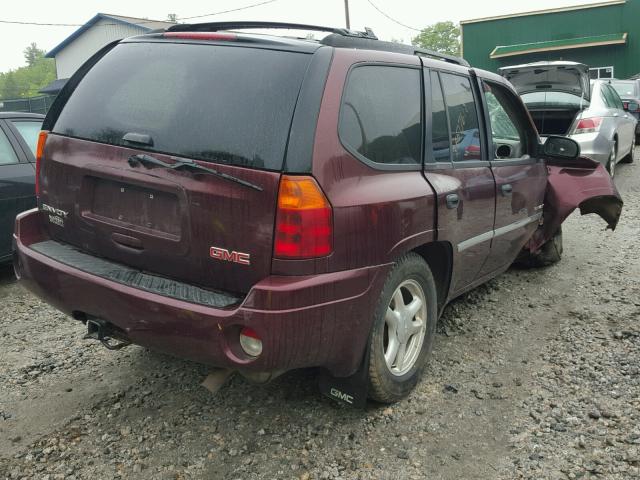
[(629, 157), (394, 370), (549, 253)]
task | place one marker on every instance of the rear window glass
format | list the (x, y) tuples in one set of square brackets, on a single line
[(553, 98), (380, 116), (223, 104)]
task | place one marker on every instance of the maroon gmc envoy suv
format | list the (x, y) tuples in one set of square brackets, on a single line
[(262, 203)]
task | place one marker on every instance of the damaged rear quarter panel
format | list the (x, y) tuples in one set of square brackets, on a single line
[(581, 183)]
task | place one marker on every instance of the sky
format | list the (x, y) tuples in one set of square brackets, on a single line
[(414, 14)]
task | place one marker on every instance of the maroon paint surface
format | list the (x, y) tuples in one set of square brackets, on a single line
[(528, 183), (188, 214), (473, 216), (302, 321), (582, 183)]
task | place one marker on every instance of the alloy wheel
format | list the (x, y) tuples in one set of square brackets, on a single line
[(612, 161), (405, 327)]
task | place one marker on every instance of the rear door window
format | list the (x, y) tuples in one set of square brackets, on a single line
[(223, 104), (380, 117), (463, 117), (439, 125)]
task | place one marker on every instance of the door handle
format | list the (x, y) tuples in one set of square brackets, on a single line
[(506, 189), (452, 200)]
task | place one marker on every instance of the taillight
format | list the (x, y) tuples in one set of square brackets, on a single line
[(42, 138), (304, 222), (472, 151), (201, 35), (588, 125), (625, 105)]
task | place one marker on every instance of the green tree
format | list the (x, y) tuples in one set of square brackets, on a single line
[(172, 17), (443, 37), (32, 53), (26, 81)]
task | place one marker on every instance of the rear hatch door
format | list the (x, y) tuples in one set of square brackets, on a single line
[(114, 164), (567, 77)]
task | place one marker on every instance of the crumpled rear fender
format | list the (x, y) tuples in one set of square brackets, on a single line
[(581, 183)]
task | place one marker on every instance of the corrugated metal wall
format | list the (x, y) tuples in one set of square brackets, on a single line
[(97, 36), (479, 39)]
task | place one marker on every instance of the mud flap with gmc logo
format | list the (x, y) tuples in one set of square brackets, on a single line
[(350, 390)]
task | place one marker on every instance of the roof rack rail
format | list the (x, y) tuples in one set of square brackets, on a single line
[(370, 44), (216, 26), (338, 37)]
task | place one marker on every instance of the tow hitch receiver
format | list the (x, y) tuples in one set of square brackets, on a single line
[(106, 333)]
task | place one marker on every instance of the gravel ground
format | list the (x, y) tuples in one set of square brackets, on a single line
[(534, 375)]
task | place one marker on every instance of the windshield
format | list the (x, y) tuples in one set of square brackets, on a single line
[(625, 89), (553, 99), (223, 104)]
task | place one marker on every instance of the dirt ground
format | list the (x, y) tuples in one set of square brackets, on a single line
[(534, 375)]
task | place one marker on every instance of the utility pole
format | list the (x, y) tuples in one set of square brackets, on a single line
[(346, 13)]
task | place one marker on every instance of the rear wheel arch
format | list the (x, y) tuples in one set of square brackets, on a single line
[(439, 257)]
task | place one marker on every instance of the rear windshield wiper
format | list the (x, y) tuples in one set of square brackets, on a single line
[(148, 160)]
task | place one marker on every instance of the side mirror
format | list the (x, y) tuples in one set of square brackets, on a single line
[(561, 147), (631, 106)]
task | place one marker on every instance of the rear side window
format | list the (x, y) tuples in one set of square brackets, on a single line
[(615, 98), (7, 155), (611, 98), (463, 117), (380, 117), (223, 104), (29, 131)]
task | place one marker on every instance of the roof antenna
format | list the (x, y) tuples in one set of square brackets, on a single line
[(346, 14), (370, 33)]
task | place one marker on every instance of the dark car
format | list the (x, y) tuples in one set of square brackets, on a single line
[(261, 204), (18, 138), (629, 92)]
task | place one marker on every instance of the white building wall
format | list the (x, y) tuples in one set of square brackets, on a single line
[(71, 57)]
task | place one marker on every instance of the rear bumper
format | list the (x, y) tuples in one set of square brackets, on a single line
[(308, 321)]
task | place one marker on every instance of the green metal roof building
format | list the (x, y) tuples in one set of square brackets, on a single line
[(605, 36)]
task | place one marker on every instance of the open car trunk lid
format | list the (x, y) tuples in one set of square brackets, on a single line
[(143, 109), (559, 76)]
